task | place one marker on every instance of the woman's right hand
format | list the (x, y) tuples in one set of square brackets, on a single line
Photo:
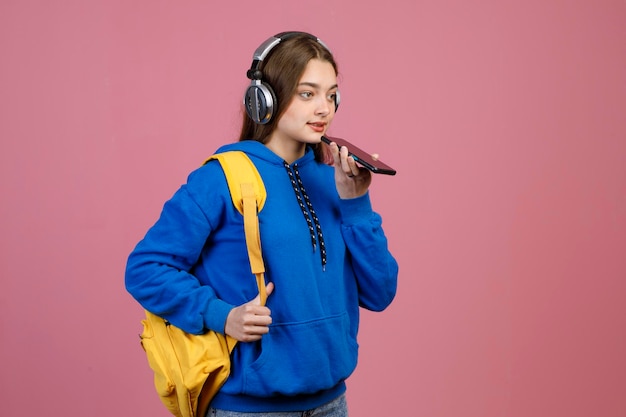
[(250, 321), (351, 181)]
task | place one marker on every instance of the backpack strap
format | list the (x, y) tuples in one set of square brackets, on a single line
[(248, 194)]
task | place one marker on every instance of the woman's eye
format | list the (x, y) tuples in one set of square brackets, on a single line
[(306, 94)]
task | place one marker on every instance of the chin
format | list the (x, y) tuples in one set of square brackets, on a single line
[(314, 141), (316, 137)]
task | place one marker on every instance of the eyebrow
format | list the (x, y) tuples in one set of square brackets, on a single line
[(315, 85)]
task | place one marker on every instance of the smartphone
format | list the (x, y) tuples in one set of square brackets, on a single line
[(362, 157)]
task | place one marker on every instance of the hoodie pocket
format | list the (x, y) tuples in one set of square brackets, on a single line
[(303, 358)]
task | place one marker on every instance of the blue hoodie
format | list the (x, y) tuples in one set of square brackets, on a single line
[(192, 268)]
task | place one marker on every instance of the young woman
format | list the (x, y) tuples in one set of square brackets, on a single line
[(324, 249)]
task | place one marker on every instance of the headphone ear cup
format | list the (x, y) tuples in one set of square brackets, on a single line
[(337, 100), (259, 102)]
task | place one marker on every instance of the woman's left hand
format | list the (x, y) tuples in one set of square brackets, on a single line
[(351, 180)]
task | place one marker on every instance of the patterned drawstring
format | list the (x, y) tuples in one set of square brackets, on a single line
[(305, 203)]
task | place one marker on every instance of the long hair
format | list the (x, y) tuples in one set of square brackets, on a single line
[(282, 70)]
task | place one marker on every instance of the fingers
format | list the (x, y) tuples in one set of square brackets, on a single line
[(334, 151), (343, 161), (255, 321), (269, 288), (348, 165), (250, 321), (351, 180)]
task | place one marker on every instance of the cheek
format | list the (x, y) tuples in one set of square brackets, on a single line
[(286, 122), (331, 116), (292, 115)]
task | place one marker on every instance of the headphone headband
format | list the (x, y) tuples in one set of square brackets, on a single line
[(264, 49)]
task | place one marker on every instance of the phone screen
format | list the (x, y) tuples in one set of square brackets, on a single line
[(362, 157)]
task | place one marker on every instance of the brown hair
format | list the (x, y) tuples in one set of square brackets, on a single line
[(282, 70)]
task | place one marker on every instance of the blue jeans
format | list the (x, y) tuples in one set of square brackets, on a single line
[(336, 408)]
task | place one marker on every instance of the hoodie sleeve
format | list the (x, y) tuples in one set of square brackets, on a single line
[(376, 270), (158, 270)]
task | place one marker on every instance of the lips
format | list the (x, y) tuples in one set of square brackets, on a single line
[(317, 126)]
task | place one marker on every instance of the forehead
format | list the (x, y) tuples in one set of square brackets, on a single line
[(320, 73)]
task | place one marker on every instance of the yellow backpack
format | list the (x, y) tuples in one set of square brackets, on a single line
[(190, 369)]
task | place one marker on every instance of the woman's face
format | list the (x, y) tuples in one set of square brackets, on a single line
[(311, 110)]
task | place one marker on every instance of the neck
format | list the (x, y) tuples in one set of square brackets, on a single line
[(288, 150)]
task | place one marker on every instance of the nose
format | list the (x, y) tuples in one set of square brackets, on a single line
[(323, 106)]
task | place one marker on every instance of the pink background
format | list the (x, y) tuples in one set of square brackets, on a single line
[(505, 120)]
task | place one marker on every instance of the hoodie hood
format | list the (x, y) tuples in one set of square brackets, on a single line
[(259, 150)]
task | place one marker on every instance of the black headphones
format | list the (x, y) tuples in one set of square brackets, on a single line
[(259, 99)]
